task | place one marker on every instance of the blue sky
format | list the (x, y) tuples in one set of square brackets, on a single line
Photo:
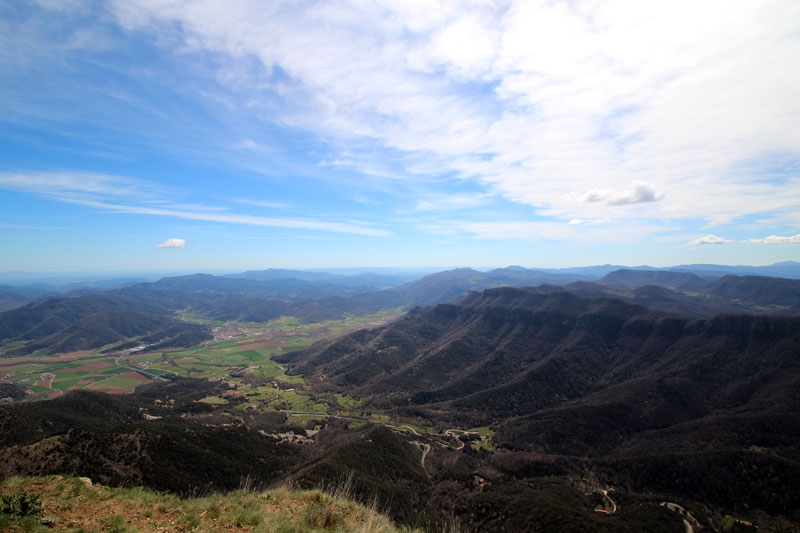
[(208, 135)]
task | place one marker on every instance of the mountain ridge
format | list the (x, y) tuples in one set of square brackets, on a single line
[(63, 323), (505, 352)]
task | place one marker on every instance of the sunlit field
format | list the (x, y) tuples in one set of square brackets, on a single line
[(239, 354)]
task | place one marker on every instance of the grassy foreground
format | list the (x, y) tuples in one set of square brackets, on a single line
[(72, 504)]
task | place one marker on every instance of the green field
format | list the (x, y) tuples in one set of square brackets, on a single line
[(242, 361), (65, 384), (255, 381)]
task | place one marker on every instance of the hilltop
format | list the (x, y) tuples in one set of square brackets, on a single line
[(57, 503)]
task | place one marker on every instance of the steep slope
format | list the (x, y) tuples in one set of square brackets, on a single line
[(596, 382), (729, 295), (108, 439), (659, 298), (516, 356), (196, 447), (93, 321)]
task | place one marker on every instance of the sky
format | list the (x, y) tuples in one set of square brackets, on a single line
[(251, 134)]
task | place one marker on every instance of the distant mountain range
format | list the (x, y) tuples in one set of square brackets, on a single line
[(93, 319), (668, 290)]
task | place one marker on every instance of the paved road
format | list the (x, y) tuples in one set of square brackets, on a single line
[(50, 386), (687, 517), (150, 375), (425, 449), (612, 502), (452, 433)]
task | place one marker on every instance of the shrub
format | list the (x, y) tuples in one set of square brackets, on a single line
[(21, 503)]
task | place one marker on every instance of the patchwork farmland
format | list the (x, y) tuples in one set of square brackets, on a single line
[(240, 355)]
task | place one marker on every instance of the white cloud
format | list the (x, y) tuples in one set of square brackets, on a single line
[(444, 202), (638, 193), (466, 46), (583, 231), (775, 239), (236, 218), (561, 97), (262, 203), (581, 110), (249, 144), (72, 185), (124, 195), (172, 243), (507, 231), (709, 239)]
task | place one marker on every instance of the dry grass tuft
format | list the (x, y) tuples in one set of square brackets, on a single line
[(69, 504)]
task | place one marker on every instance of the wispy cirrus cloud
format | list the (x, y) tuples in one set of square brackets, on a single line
[(558, 98), (74, 185), (250, 220), (262, 203), (455, 201), (582, 231), (124, 195)]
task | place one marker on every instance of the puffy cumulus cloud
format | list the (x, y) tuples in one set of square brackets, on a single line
[(639, 193), (172, 243), (709, 239), (776, 239)]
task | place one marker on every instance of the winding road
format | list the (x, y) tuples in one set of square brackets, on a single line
[(425, 449), (452, 433), (612, 502), (689, 522)]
